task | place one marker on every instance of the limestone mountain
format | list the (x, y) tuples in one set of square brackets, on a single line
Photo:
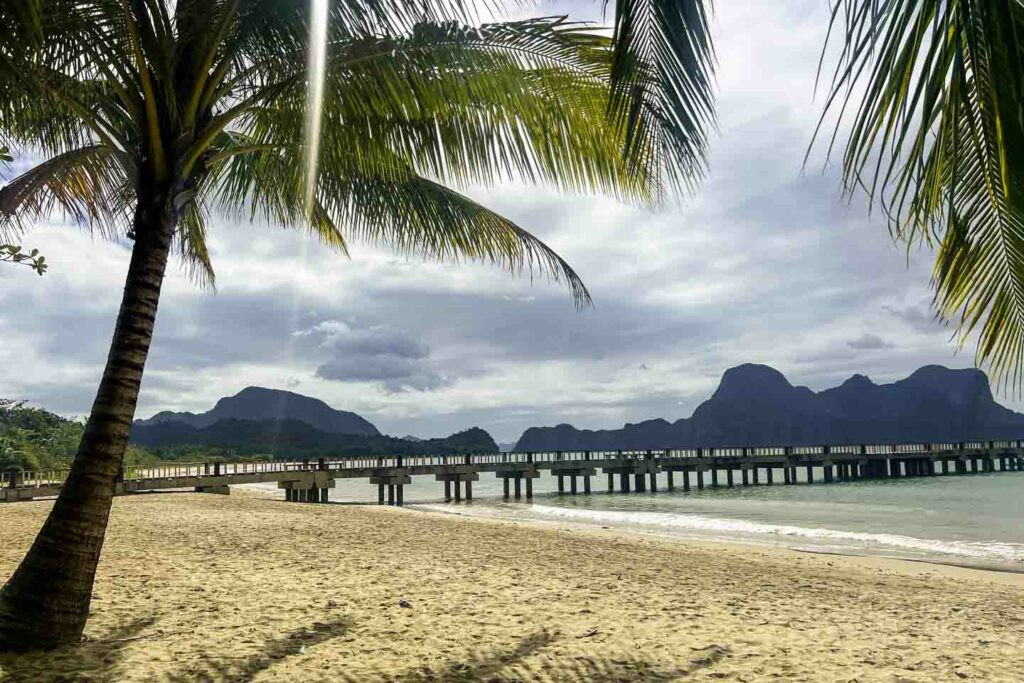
[(757, 405), (274, 405)]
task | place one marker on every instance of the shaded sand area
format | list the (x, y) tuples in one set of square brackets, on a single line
[(240, 588)]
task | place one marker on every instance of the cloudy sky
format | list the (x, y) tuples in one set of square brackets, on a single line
[(767, 263)]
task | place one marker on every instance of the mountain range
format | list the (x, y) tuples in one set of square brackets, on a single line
[(259, 421), (756, 405)]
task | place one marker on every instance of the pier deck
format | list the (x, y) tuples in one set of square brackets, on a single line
[(638, 470)]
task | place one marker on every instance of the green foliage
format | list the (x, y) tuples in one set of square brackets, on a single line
[(12, 253), (933, 92), (34, 439)]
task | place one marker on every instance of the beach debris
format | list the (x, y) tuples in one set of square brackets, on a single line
[(404, 603), (590, 632)]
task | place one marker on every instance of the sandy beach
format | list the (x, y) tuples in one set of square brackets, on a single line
[(240, 588)]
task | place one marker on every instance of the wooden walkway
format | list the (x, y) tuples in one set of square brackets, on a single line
[(639, 471)]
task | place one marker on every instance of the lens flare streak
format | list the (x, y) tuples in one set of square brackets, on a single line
[(316, 74)]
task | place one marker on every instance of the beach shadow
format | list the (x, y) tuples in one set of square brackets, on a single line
[(272, 653), (510, 666), (91, 659)]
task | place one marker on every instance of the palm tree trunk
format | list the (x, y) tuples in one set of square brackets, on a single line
[(46, 601)]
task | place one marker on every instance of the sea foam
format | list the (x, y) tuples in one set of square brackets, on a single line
[(728, 529)]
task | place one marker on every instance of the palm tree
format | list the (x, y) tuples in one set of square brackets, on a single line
[(153, 114)]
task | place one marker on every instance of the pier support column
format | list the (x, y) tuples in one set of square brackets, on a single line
[(447, 491), (399, 497), (611, 483), (755, 477), (391, 494), (458, 491), (504, 488), (529, 489), (561, 483), (624, 482), (669, 483), (380, 494), (700, 479), (469, 490), (792, 476), (639, 484), (728, 477), (654, 482), (828, 473), (572, 483), (686, 480), (745, 476), (714, 476), (810, 474), (586, 484), (519, 488), (770, 471)]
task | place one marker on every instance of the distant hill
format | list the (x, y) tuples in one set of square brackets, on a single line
[(295, 439), (274, 405), (756, 405), (258, 421)]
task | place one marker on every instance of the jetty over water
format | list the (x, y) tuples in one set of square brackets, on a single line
[(637, 471)]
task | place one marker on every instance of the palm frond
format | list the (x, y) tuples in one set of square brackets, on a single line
[(663, 84), (937, 139), (85, 184), (417, 216)]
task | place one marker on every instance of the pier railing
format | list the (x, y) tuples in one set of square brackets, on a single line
[(52, 478)]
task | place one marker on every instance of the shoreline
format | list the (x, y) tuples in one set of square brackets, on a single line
[(420, 507), (1011, 576), (247, 587), (748, 543)]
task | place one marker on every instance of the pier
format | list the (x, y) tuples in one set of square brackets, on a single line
[(636, 471)]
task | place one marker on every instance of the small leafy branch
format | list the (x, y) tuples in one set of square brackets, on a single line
[(12, 253)]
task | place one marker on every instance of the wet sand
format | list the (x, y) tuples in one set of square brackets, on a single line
[(244, 588)]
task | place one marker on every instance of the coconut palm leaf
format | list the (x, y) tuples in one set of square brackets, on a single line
[(932, 93), (663, 83)]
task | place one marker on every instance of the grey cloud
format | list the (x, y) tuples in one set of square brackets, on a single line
[(395, 374), (869, 341), (374, 353), (921, 318)]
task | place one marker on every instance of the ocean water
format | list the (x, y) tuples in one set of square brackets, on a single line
[(974, 520)]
